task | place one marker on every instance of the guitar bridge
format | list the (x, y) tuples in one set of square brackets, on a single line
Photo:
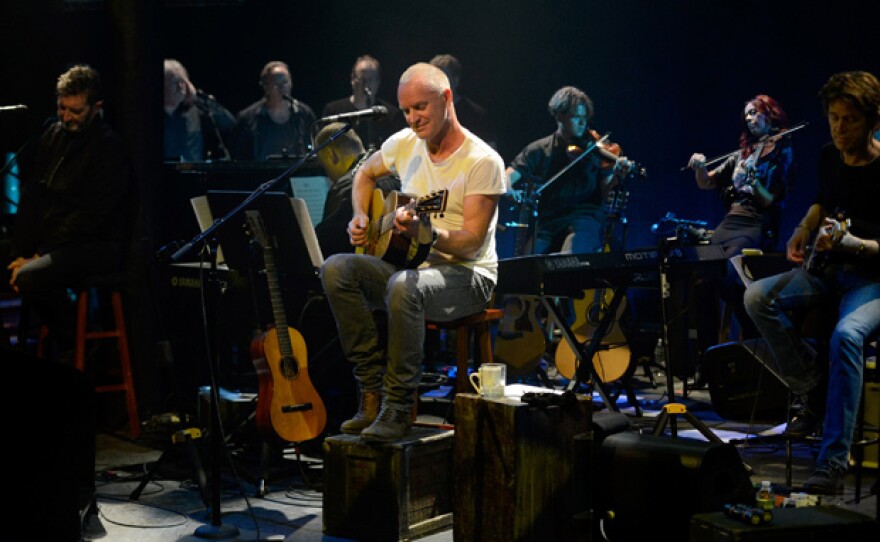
[(287, 409)]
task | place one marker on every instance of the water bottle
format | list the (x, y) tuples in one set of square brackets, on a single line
[(765, 499), (660, 353)]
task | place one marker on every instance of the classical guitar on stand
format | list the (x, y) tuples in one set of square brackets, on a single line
[(384, 242), (288, 406)]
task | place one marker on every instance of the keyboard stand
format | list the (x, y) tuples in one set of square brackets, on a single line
[(585, 351)]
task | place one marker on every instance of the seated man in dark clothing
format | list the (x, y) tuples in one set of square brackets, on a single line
[(340, 160), (471, 114), (196, 125), (72, 216), (275, 126), (366, 76)]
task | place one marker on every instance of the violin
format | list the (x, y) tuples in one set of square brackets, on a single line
[(608, 152)]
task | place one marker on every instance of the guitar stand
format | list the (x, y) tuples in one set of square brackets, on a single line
[(677, 409), (187, 437), (585, 371)]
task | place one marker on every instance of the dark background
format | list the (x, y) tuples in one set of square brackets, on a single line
[(667, 78)]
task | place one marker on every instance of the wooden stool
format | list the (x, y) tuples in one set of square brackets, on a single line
[(113, 283), (478, 324)]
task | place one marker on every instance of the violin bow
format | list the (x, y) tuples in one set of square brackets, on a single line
[(775, 137)]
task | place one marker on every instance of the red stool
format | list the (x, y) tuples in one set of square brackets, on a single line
[(112, 283)]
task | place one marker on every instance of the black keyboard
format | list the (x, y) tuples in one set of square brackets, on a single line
[(567, 275)]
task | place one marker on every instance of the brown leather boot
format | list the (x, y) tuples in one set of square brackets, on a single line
[(392, 424), (368, 410)]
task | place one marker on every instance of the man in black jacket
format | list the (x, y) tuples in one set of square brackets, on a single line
[(72, 215)]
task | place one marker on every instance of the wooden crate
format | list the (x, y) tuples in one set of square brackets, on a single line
[(396, 491), (872, 420), (518, 470)]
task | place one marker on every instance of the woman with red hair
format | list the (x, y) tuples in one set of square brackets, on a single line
[(752, 182)]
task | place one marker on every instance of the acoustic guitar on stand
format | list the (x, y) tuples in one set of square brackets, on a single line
[(612, 359), (384, 242), (288, 406)]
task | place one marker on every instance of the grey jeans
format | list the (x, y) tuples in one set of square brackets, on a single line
[(357, 284)]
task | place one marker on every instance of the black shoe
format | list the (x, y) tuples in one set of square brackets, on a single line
[(825, 481), (803, 424), (807, 418)]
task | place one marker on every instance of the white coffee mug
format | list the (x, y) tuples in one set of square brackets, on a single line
[(489, 380)]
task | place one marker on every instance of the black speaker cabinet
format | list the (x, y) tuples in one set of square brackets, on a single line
[(49, 448), (740, 384), (648, 485)]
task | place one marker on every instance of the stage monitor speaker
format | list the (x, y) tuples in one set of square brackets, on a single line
[(741, 387), (654, 484), (49, 446)]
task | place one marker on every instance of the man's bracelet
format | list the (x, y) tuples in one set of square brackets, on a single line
[(802, 225)]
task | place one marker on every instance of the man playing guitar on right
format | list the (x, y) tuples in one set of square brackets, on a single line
[(849, 183)]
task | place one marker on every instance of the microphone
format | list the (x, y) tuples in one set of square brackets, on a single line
[(670, 218), (9, 108), (375, 112), (204, 95)]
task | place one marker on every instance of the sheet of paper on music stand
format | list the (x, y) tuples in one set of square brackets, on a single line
[(312, 190), (306, 226), (205, 218)]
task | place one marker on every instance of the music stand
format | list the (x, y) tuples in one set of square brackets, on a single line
[(281, 222)]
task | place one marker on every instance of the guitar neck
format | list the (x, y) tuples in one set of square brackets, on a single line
[(279, 314), (386, 222)]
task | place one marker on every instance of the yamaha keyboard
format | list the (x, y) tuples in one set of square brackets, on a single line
[(567, 275)]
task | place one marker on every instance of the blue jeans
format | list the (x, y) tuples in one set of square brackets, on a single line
[(768, 301), (358, 284)]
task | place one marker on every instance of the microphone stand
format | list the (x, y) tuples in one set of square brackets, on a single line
[(12, 159), (216, 530), (370, 103), (208, 103)]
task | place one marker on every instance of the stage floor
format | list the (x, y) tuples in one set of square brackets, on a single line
[(171, 506)]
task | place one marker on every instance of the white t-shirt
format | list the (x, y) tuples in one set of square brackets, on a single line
[(473, 168)]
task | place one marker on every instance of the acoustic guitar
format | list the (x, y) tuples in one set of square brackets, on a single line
[(816, 261), (288, 406), (384, 242), (612, 358)]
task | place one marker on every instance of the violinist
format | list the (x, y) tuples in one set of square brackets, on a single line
[(753, 182), (571, 214)]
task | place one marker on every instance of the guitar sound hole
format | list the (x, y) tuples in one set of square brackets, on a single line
[(289, 367)]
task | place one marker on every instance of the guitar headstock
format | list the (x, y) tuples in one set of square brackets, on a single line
[(840, 227), (435, 202), (257, 228)]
